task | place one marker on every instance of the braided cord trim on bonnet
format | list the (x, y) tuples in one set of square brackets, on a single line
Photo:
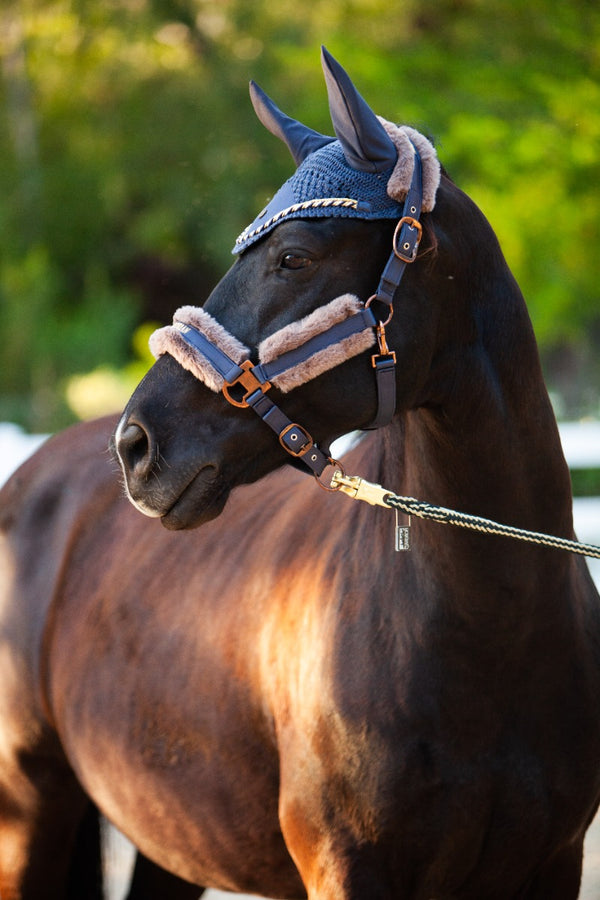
[(326, 185), (296, 210)]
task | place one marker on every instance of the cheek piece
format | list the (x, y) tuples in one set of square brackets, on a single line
[(302, 350)]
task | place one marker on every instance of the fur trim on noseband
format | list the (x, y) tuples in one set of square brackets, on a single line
[(297, 333), (169, 340), (322, 358)]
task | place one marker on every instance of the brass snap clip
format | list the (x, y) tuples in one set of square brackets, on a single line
[(334, 485), (384, 350)]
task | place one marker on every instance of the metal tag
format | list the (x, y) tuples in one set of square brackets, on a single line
[(402, 541)]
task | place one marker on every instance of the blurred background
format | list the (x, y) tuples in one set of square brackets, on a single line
[(130, 158)]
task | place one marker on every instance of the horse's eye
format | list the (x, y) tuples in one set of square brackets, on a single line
[(294, 261)]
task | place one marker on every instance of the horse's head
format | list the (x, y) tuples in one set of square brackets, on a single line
[(293, 331)]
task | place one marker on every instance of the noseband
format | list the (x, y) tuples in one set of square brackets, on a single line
[(299, 352)]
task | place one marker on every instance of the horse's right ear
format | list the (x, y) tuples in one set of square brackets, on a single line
[(366, 145), (300, 139)]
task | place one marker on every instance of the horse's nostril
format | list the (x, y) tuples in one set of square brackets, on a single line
[(134, 449)]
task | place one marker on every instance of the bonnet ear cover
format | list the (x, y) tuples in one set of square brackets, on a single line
[(372, 144), (366, 145), (365, 173), (301, 140)]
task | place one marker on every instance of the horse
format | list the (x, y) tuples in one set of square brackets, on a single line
[(236, 667)]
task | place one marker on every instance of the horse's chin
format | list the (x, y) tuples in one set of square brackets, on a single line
[(179, 508), (195, 506)]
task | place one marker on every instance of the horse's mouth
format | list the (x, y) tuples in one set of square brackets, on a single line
[(200, 501)]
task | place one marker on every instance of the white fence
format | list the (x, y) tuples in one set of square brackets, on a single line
[(581, 443)]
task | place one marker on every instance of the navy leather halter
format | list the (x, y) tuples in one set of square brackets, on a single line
[(246, 385)]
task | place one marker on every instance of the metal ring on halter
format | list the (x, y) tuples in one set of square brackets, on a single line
[(328, 488), (391, 309)]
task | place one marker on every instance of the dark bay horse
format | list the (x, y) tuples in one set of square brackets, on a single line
[(279, 702)]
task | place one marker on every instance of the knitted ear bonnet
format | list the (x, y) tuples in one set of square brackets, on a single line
[(362, 175), (365, 173)]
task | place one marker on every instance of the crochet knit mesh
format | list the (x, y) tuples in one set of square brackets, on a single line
[(325, 175)]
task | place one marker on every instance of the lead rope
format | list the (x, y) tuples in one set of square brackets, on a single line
[(360, 489)]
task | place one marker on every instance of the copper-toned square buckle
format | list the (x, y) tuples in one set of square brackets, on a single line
[(408, 251), (286, 446)]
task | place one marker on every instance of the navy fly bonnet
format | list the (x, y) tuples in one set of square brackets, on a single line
[(365, 173)]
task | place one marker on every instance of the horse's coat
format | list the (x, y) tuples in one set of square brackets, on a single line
[(277, 702)]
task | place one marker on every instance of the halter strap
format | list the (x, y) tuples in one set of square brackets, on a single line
[(255, 381), (334, 335), (218, 359), (405, 247)]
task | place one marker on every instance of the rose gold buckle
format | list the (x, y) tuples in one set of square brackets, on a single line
[(413, 223), (305, 447), (384, 350), (248, 380)]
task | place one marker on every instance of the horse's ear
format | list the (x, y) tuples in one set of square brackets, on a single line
[(364, 140), (300, 139)]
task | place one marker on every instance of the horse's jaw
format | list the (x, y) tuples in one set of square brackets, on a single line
[(200, 502)]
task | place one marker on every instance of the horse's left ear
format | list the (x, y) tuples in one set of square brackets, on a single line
[(300, 139), (364, 140)]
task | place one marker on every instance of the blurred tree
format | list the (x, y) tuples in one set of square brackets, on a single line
[(130, 157)]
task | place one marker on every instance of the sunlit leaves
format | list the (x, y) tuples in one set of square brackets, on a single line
[(126, 132)]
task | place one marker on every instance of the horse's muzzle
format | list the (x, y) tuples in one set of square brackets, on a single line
[(182, 496)]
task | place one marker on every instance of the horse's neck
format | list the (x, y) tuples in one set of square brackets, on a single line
[(491, 449)]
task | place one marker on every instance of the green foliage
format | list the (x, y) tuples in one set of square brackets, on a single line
[(585, 482), (126, 133)]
